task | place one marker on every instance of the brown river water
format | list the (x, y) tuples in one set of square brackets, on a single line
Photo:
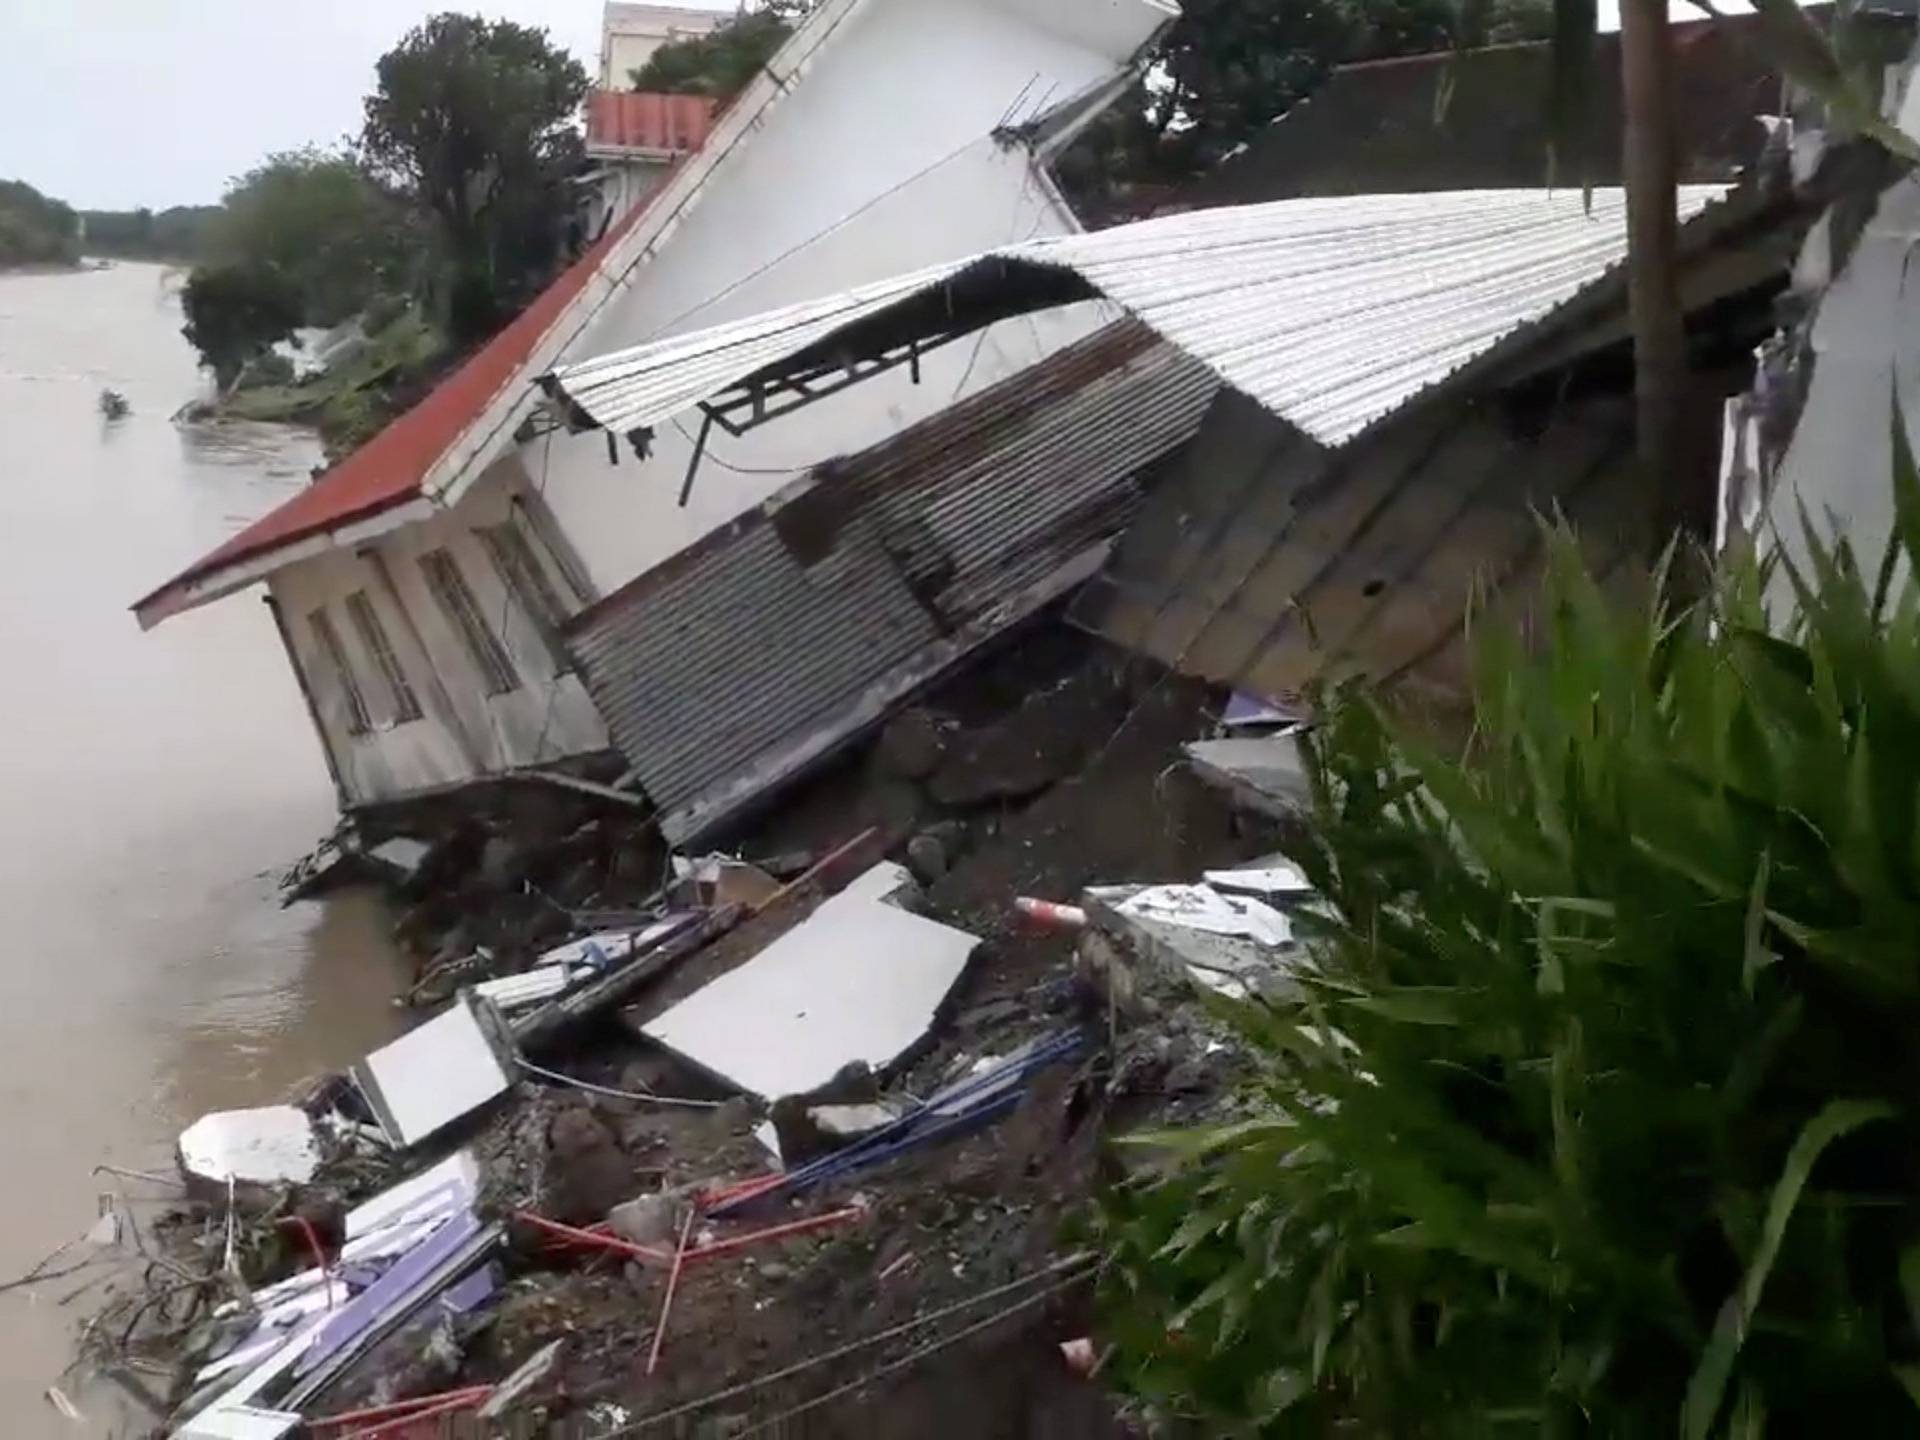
[(150, 785)]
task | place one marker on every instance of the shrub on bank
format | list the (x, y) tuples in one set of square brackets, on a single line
[(1601, 1114)]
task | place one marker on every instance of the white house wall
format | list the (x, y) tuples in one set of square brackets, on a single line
[(1866, 340), (855, 176), (464, 732)]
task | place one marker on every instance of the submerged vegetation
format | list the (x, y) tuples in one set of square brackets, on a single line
[(1599, 1113)]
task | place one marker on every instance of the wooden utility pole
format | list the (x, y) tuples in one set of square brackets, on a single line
[(1651, 154)]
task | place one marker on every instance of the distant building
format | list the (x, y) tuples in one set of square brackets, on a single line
[(629, 34), (633, 140)]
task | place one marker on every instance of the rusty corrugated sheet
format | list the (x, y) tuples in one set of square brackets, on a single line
[(996, 490), (768, 638), (696, 677)]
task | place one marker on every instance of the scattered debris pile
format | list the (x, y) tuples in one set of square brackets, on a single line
[(767, 1137)]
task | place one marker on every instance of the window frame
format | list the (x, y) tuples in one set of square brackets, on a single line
[(460, 607), (403, 703), (327, 636)]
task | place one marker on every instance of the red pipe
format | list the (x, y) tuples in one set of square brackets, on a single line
[(588, 1237), (830, 859), (319, 1252), (446, 1407), (741, 1190), (776, 1232), (399, 1407), (673, 1282)]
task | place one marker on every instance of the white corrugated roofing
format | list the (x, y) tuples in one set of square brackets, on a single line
[(1330, 312)]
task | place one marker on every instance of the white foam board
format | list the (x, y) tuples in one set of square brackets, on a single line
[(432, 1075), (858, 980)]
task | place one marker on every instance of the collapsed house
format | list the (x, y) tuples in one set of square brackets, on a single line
[(420, 583), (1341, 416)]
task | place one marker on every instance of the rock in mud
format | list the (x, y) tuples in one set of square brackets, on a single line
[(588, 1173), (911, 746)]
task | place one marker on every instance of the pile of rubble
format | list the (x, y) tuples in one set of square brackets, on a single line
[(769, 1140)]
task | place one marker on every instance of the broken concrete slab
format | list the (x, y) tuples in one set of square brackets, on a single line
[(401, 857), (1201, 907), (1277, 879), (1265, 774), (271, 1145), (522, 1382), (647, 1219), (859, 980), (1241, 947), (438, 1072)]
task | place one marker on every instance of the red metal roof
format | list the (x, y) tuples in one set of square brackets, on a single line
[(389, 468), (640, 120)]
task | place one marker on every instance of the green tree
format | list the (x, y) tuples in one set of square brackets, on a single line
[(721, 62), (475, 120), (173, 234), (1225, 69), (35, 229), (236, 313), (319, 220)]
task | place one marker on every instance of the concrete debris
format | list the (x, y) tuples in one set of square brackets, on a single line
[(1201, 907), (1265, 774), (266, 1146), (435, 1074), (1234, 944), (401, 856), (859, 980), (1271, 877), (849, 1121), (647, 1219), (522, 1382)]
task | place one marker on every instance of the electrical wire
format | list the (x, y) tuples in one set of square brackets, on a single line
[(645, 1096), (912, 1357), (1080, 1264)]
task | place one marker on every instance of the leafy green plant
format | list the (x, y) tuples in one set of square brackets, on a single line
[(1600, 1115)]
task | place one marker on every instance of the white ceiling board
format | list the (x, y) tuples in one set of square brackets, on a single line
[(432, 1075), (859, 980)]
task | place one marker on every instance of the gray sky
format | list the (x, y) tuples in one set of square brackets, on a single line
[(117, 103)]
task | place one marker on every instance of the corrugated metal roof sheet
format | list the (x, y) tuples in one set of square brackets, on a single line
[(619, 121), (728, 656), (1332, 313), (699, 675)]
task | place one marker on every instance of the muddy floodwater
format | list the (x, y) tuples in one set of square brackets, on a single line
[(149, 786)]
